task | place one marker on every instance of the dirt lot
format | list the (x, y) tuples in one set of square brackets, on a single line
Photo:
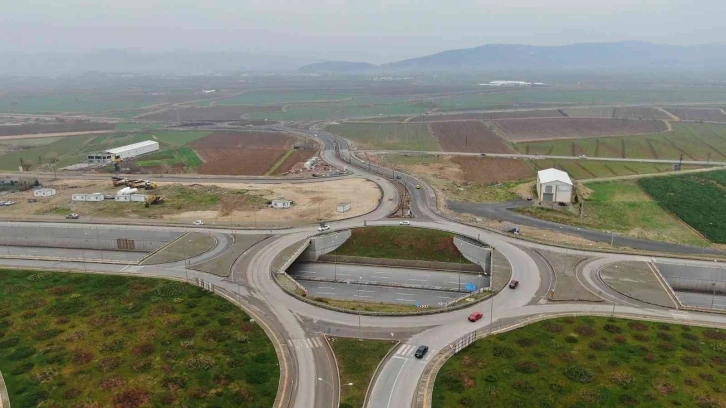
[(213, 113), (471, 136), (625, 112), (293, 161), (241, 153), (483, 170), (704, 114), (522, 130), (535, 113), (224, 203), (30, 129)]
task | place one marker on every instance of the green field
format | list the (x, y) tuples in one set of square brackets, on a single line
[(171, 157), (354, 108), (699, 199), (402, 243), (357, 360), (100, 341), (91, 102), (273, 98), (138, 126), (589, 169), (621, 206), (694, 140), (588, 362), (394, 136)]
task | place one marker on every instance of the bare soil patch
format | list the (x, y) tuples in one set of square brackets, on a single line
[(700, 114), (294, 160), (522, 130), (471, 136), (212, 113), (241, 153), (489, 170), (535, 113)]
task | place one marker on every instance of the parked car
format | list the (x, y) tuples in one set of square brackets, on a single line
[(73, 216), (404, 223), (198, 222), (323, 227), (475, 316), (513, 284), (421, 351), (582, 156)]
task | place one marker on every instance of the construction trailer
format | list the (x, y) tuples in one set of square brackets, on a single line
[(281, 203), (88, 197), (44, 192)]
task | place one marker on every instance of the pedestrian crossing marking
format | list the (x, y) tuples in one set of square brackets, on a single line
[(408, 350), (308, 343)]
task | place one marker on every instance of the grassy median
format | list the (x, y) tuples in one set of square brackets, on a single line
[(589, 362), (103, 341), (357, 361)]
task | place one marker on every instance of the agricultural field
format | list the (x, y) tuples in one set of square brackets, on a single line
[(523, 130), (695, 141), (30, 129), (170, 161), (347, 109), (295, 157), (621, 206), (590, 169), (212, 113), (403, 136), (490, 170), (513, 114), (241, 153), (588, 362), (101, 341), (472, 136), (401, 243), (619, 112), (698, 199), (699, 114)]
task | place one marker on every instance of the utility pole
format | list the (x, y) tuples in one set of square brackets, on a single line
[(611, 239), (360, 333), (713, 297), (680, 162)]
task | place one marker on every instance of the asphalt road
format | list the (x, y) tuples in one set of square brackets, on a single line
[(704, 300), (502, 212), (368, 293), (378, 275), (66, 253)]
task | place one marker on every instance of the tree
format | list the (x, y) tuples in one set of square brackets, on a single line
[(37, 183)]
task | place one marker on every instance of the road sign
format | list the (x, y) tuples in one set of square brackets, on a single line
[(470, 287)]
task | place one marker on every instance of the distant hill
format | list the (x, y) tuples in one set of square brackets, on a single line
[(337, 67), (629, 55)]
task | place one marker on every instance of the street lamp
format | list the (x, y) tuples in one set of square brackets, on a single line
[(360, 282), (713, 297)]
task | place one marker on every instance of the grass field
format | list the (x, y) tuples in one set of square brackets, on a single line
[(588, 362), (699, 199), (623, 207), (170, 157), (357, 360), (401, 243), (344, 110), (359, 305), (393, 136), (102, 341), (588, 169), (694, 140), (91, 102)]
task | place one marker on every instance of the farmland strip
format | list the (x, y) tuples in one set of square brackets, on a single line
[(585, 170), (611, 170), (629, 169), (597, 148), (653, 152), (678, 148), (622, 148)]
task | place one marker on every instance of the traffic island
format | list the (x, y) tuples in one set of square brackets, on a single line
[(640, 281)]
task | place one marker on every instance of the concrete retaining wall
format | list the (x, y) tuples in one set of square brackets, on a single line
[(477, 254), (323, 244), (694, 278), (401, 263), (85, 238)]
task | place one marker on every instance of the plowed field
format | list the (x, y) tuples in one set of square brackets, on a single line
[(241, 153), (704, 114), (490, 170), (626, 112), (521, 130), (535, 113), (213, 113), (298, 156), (469, 136)]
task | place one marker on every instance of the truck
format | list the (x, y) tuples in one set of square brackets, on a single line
[(152, 199)]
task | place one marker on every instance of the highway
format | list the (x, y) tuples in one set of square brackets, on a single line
[(382, 276), (297, 328)]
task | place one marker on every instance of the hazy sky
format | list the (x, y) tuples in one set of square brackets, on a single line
[(366, 30)]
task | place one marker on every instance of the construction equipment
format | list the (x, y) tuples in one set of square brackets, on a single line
[(152, 199), (149, 185), (136, 183), (117, 181)]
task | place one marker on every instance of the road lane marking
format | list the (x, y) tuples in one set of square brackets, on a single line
[(307, 343), (325, 293), (393, 387), (405, 294), (326, 287)]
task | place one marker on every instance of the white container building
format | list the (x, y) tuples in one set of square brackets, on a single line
[(122, 198), (554, 186), (87, 197), (281, 203), (343, 207), (43, 192), (138, 197)]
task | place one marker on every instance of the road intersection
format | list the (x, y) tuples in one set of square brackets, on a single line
[(309, 376)]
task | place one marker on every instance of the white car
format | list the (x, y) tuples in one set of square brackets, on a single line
[(404, 223), (198, 222), (323, 227)]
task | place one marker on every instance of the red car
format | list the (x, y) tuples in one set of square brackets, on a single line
[(513, 284), (475, 316)]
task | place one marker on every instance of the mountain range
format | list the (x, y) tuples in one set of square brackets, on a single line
[(616, 56)]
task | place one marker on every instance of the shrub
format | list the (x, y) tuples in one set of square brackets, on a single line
[(556, 387), (637, 326), (109, 364), (170, 289), (579, 374), (706, 377), (141, 366), (503, 351), (144, 349), (490, 378), (467, 401), (200, 363), (47, 334), (599, 345), (707, 401), (527, 367), (689, 336), (30, 399), (174, 383), (692, 361), (9, 342), (664, 336), (132, 398), (571, 339), (692, 347), (628, 400), (619, 339), (21, 353), (690, 382), (110, 383), (22, 368), (715, 334), (522, 385), (82, 357), (666, 346), (664, 387), (586, 331), (71, 393), (664, 327), (113, 345), (611, 328), (553, 327), (45, 375), (640, 337), (621, 378), (185, 333), (525, 342)]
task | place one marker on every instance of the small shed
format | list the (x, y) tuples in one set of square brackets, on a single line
[(554, 186), (281, 203), (343, 207), (43, 192)]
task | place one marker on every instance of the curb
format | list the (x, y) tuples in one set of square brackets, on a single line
[(4, 397)]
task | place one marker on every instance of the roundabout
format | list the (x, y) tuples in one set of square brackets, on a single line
[(308, 373)]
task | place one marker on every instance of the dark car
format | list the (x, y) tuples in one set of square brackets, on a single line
[(475, 316), (421, 351), (513, 284)]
